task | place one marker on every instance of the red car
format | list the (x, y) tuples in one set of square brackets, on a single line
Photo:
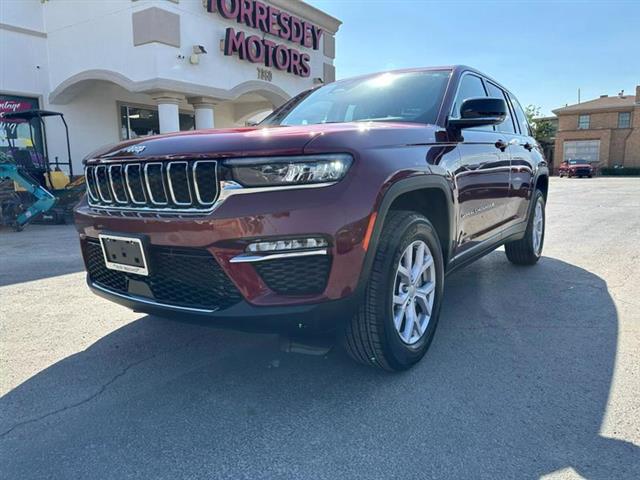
[(575, 168), (340, 214)]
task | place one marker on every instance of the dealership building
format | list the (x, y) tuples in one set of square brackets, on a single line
[(121, 69)]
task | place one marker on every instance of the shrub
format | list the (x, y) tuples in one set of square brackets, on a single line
[(622, 171)]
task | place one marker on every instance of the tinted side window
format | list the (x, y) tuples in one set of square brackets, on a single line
[(471, 86), (522, 118), (507, 126)]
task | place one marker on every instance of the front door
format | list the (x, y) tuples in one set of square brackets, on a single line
[(482, 181), (482, 175)]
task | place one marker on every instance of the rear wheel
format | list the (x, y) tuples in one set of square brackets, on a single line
[(528, 250), (397, 319)]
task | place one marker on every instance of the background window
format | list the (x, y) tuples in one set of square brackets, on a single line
[(588, 150), (624, 120), (142, 122), (506, 126), (583, 122)]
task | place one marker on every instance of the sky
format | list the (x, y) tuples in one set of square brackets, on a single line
[(542, 51)]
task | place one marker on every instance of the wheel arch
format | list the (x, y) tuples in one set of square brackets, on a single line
[(419, 194), (542, 183)]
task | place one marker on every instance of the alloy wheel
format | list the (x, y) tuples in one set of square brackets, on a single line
[(538, 227), (414, 292)]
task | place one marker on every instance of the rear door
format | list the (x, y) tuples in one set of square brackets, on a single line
[(519, 156), (526, 154), (482, 175)]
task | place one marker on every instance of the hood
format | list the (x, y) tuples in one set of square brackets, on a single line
[(258, 141), (582, 165)]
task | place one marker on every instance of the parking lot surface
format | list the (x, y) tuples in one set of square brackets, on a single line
[(533, 372)]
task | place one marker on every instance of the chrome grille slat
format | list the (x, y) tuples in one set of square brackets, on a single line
[(114, 190), (161, 180), (196, 185), (173, 183), (90, 177), (179, 186), (134, 200), (103, 191)]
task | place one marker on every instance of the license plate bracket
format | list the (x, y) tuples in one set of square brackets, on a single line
[(124, 253)]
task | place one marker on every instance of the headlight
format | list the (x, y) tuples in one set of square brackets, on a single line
[(276, 171)]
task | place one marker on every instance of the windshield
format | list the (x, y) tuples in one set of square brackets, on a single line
[(392, 97), (578, 161)]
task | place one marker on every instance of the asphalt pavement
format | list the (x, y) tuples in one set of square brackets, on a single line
[(533, 372)]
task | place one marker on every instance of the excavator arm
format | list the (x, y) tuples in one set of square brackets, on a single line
[(44, 199)]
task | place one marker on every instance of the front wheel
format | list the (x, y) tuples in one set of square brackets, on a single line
[(528, 250), (397, 318)]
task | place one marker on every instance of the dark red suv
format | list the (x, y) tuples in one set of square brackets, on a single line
[(341, 213)]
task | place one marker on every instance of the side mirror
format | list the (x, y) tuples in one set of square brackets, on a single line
[(478, 112)]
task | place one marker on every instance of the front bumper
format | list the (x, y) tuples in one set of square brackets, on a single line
[(330, 212), (291, 319)]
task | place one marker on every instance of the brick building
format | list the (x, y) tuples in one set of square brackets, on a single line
[(605, 131)]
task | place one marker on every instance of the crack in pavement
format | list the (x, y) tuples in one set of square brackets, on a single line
[(100, 391)]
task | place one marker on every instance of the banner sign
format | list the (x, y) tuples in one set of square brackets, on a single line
[(271, 20), (12, 104)]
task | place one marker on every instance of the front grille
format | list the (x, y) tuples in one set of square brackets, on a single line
[(178, 186), (184, 277), (296, 276)]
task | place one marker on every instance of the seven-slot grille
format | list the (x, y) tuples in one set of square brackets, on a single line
[(178, 185)]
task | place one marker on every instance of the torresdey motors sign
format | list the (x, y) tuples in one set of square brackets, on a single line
[(271, 20)]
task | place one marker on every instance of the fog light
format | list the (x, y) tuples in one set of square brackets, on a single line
[(287, 244)]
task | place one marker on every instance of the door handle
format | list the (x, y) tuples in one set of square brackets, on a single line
[(501, 145)]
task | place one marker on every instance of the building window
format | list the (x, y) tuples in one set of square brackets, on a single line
[(588, 150), (583, 122), (143, 121), (624, 120)]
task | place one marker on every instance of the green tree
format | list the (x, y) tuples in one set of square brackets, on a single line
[(543, 130)]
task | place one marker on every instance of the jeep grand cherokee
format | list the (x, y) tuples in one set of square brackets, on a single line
[(341, 212)]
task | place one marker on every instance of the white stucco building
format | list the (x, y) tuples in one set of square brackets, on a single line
[(119, 69)]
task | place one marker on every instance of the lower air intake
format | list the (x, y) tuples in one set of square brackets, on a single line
[(296, 276), (184, 277)]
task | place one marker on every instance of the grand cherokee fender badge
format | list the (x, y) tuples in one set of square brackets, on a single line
[(478, 210)]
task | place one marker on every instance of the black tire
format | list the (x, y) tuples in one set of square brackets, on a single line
[(370, 337), (522, 252)]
